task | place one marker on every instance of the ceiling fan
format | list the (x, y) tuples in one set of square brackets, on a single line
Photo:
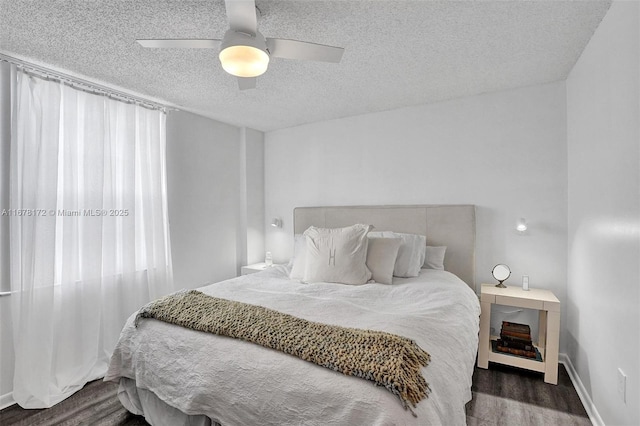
[(244, 51)]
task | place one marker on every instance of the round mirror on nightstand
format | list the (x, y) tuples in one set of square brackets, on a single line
[(501, 272)]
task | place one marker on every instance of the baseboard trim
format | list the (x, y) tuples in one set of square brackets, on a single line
[(590, 408), (6, 400)]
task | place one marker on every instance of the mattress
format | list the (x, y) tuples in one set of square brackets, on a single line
[(162, 366)]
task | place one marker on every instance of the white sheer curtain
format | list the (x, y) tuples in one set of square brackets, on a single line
[(92, 243)]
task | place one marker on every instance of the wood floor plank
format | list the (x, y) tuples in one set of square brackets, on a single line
[(508, 395), (97, 403)]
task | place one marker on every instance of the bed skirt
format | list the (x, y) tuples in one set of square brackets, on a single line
[(156, 412)]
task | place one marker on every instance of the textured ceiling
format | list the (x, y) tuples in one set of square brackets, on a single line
[(397, 53)]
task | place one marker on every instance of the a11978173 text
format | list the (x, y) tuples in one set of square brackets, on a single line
[(65, 212)]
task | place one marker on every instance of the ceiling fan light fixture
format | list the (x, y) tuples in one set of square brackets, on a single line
[(244, 55), (244, 61)]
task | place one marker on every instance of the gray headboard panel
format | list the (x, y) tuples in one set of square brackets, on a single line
[(453, 226)]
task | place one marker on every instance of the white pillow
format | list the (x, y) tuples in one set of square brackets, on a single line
[(411, 254), (381, 258), (299, 259), (435, 257), (337, 255)]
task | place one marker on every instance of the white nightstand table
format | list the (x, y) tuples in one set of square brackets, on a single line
[(252, 269), (548, 307)]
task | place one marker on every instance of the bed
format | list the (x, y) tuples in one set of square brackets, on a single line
[(178, 376)]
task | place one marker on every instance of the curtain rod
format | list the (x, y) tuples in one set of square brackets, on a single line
[(82, 84)]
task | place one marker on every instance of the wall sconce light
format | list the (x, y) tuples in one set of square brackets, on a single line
[(277, 222), (521, 226)]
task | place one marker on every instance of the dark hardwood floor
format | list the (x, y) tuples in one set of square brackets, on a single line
[(96, 404), (511, 396), (501, 396)]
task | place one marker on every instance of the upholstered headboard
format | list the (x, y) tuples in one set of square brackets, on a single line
[(453, 226)]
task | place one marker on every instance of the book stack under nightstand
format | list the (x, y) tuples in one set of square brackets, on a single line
[(516, 339)]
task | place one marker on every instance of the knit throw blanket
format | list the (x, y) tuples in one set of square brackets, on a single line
[(386, 359)]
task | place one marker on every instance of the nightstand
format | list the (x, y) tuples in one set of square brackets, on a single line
[(252, 269), (548, 307)]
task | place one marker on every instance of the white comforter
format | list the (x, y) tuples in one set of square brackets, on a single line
[(239, 383)]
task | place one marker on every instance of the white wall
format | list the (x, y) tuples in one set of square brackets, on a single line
[(6, 352), (6, 331), (603, 126), (504, 152), (212, 180), (254, 159), (251, 236)]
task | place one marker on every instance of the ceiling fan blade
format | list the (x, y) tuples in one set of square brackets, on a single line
[(245, 83), (242, 15), (181, 43), (294, 49)]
